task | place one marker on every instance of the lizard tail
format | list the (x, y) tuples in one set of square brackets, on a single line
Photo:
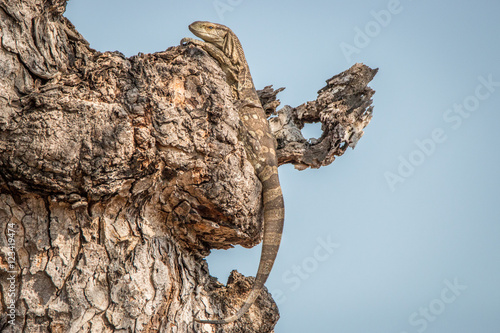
[(274, 216)]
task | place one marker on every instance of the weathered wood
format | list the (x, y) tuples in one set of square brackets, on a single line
[(120, 174), (343, 108)]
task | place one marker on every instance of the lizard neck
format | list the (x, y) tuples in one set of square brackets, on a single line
[(244, 85)]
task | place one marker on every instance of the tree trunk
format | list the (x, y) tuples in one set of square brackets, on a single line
[(119, 175)]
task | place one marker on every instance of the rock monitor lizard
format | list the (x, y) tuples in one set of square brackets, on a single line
[(260, 145)]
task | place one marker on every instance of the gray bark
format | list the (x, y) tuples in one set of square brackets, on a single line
[(119, 175)]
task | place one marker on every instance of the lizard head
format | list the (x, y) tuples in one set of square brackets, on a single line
[(210, 32)]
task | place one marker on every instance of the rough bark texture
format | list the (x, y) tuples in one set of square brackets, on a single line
[(118, 175)]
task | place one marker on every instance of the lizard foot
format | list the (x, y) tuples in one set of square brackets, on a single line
[(187, 40)]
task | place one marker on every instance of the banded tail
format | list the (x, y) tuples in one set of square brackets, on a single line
[(274, 215)]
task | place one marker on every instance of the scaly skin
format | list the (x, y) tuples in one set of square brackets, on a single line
[(223, 45)]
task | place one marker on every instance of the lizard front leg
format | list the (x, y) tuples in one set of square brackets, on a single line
[(216, 53), (210, 49)]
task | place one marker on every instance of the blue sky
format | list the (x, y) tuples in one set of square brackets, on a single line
[(402, 234)]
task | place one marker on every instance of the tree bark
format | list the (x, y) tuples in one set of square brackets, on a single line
[(119, 175)]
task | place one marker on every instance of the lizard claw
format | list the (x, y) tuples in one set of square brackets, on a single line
[(186, 40)]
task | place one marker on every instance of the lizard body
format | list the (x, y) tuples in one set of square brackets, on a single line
[(260, 145)]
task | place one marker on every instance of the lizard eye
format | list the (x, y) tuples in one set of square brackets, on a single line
[(210, 27)]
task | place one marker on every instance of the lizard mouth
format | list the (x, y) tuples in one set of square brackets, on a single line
[(190, 27), (195, 27)]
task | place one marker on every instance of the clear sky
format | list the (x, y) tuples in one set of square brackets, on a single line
[(402, 234)]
